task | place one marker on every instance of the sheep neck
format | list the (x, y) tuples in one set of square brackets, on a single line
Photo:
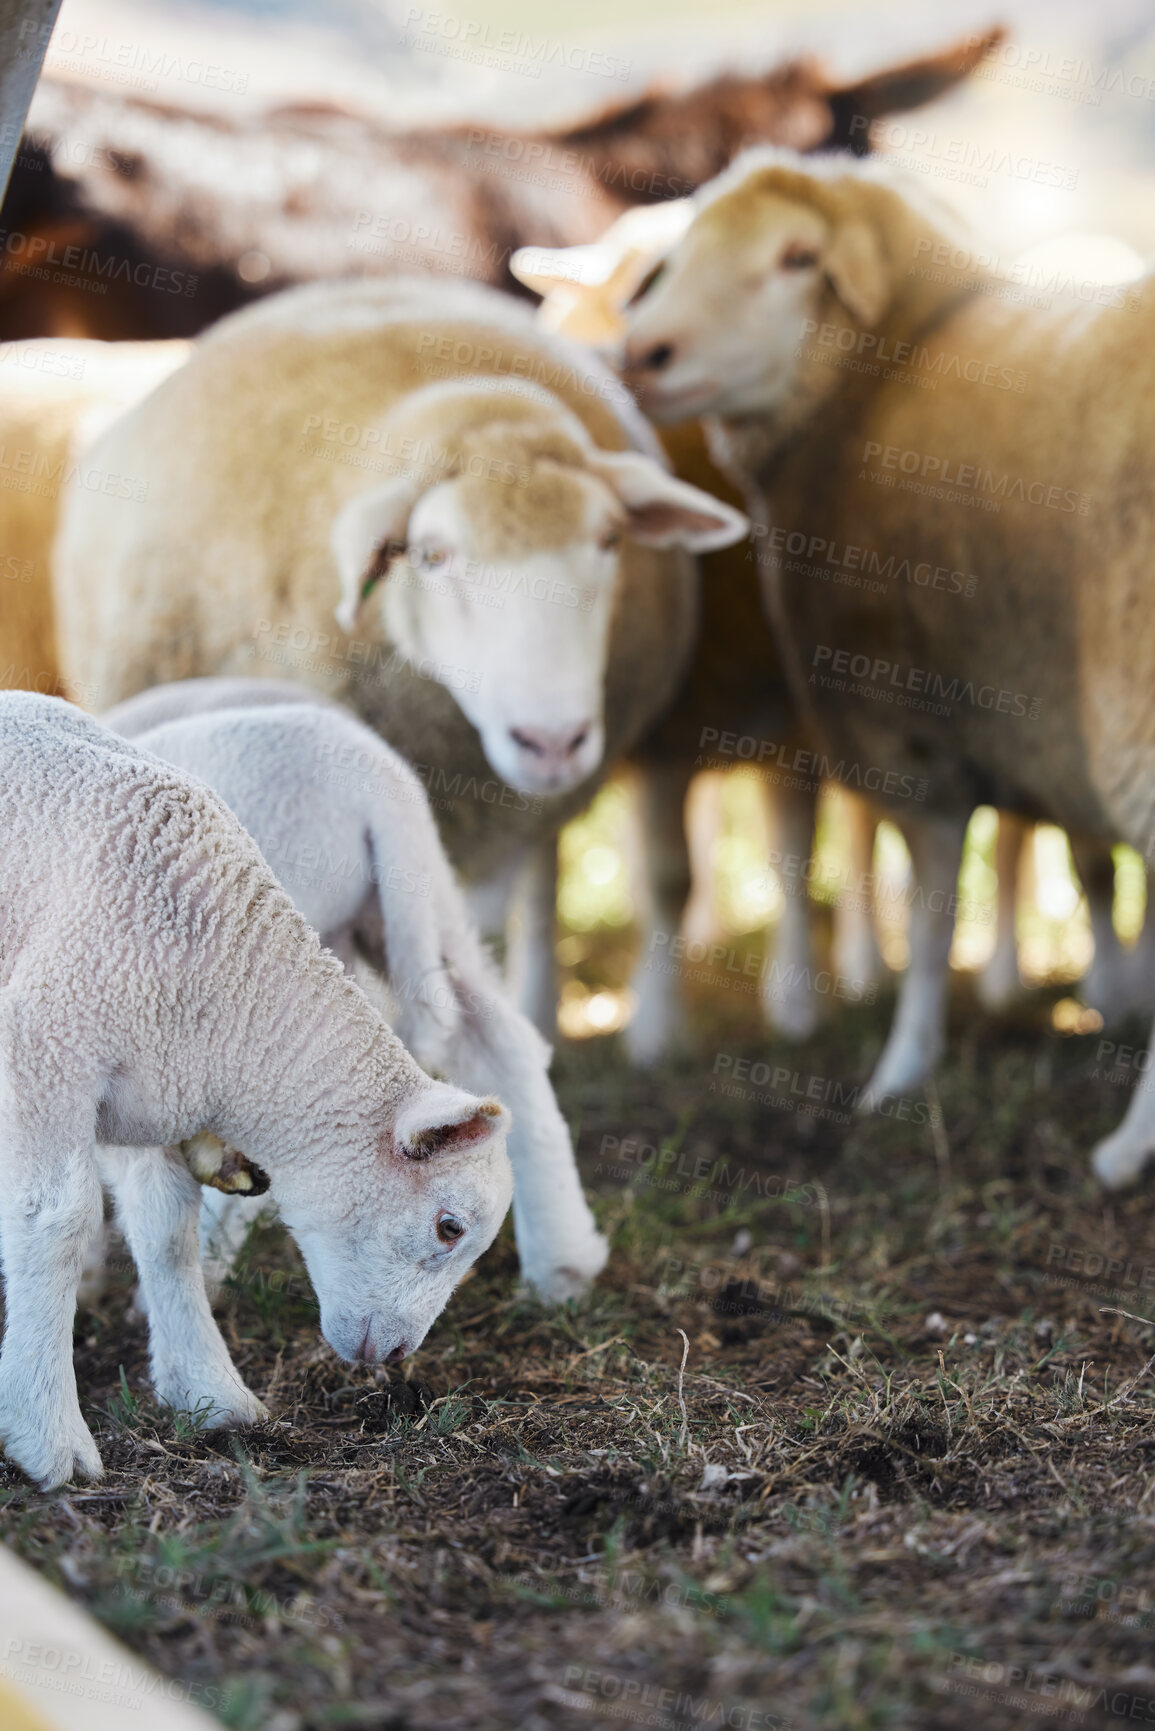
[(310, 1063)]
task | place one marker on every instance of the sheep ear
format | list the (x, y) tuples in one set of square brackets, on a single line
[(857, 269), (662, 511), (445, 1120), (366, 534)]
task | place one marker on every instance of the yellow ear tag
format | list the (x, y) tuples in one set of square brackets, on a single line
[(223, 1167)]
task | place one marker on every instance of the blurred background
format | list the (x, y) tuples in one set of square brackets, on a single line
[(1049, 150)]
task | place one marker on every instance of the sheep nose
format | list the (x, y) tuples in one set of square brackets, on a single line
[(367, 1352), (551, 748), (397, 1354)]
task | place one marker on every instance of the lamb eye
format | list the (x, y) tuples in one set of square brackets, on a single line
[(429, 558), (611, 539), (798, 257), (449, 1228)]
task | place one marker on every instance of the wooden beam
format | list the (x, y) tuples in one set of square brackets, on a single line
[(25, 27)]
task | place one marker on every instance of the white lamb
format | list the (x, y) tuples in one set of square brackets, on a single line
[(157, 984), (346, 826)]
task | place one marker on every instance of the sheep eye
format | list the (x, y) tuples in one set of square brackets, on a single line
[(611, 539), (449, 1228), (798, 257), (429, 558), (646, 284)]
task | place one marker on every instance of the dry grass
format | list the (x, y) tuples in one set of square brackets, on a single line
[(859, 1522)]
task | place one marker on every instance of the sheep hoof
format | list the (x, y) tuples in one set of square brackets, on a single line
[(572, 1278), (229, 1407), (53, 1455), (899, 1070)]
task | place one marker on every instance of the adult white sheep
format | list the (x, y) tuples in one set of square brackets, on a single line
[(346, 826), (157, 984), (804, 306), (50, 391), (733, 689), (484, 497)]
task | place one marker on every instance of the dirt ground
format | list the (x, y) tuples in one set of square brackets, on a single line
[(910, 1483)]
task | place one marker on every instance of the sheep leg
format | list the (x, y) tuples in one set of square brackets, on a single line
[(856, 953), (789, 1001), (1000, 983), (702, 921), (918, 1032), (1120, 1158), (1107, 985), (158, 1201), (658, 1024), (225, 1224), (531, 965), (490, 1047), (1142, 957), (51, 1209), (496, 1050)]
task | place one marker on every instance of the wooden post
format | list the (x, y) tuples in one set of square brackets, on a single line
[(25, 26)]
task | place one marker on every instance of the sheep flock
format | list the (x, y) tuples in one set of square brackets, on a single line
[(417, 639)]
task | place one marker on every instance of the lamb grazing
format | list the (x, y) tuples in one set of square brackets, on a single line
[(733, 706), (157, 984), (505, 552), (1034, 700), (346, 826), (193, 213), (50, 394)]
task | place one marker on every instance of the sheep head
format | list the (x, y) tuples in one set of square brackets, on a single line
[(777, 252), (497, 555), (386, 1239)]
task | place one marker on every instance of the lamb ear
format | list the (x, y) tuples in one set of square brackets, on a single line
[(662, 511), (366, 534), (857, 268), (445, 1120)]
